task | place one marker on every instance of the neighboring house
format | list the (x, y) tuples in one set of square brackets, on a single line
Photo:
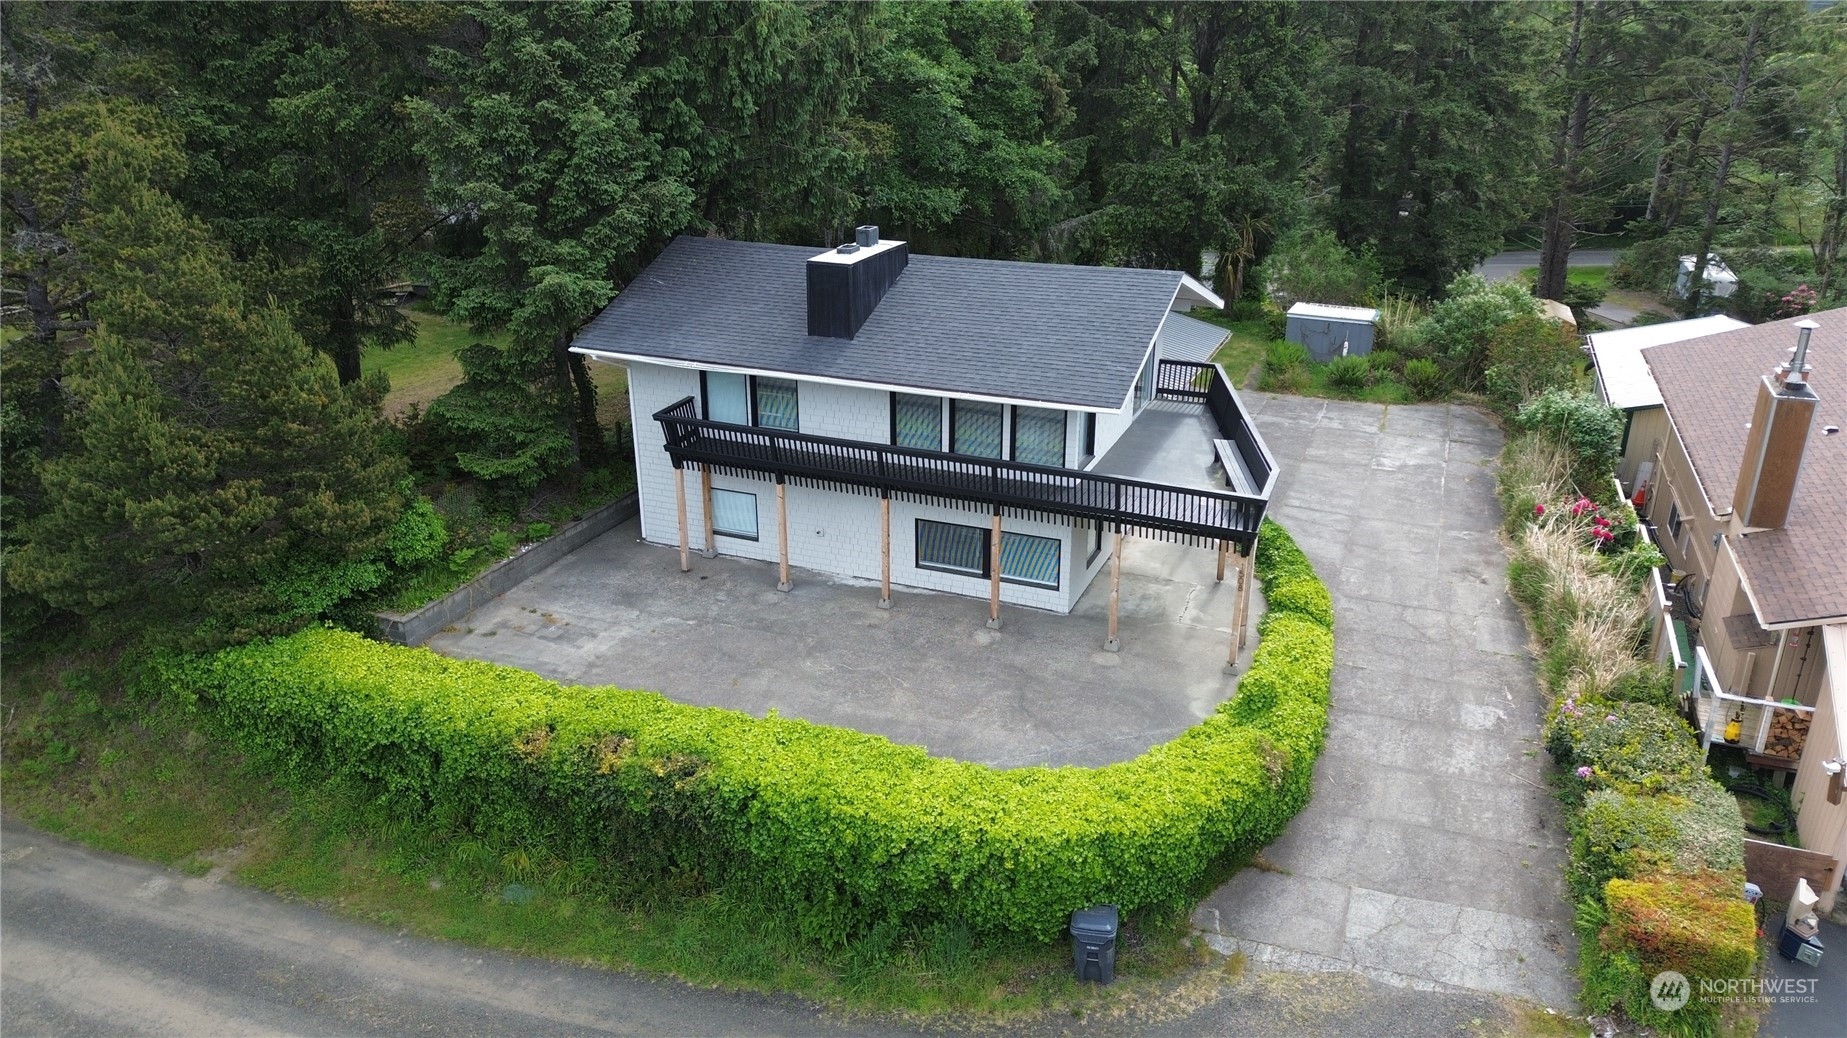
[(1750, 497), (1624, 382), (977, 427)]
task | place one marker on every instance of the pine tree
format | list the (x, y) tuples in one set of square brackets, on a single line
[(206, 440)]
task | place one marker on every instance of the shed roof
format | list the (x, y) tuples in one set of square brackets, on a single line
[(1797, 574), (1027, 332), (1330, 312), (1622, 374), (1189, 338)]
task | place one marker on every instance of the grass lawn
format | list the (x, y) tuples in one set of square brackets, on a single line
[(425, 369), (1243, 351), (1591, 277)]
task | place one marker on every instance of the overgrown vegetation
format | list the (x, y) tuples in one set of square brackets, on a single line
[(1657, 854)]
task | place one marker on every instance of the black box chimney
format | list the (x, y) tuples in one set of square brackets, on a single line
[(846, 284)]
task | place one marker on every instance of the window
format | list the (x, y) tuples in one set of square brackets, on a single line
[(1039, 436), (917, 421), (1029, 560), (1093, 539), (976, 428), (776, 401), (1674, 521), (1090, 434), (954, 548), (748, 400), (734, 514), (727, 398)]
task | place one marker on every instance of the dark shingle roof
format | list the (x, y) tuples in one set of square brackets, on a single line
[(1709, 385), (1022, 331)]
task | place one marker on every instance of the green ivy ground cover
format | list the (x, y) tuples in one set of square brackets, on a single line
[(840, 830)]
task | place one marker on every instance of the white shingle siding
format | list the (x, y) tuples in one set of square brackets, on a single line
[(831, 531)]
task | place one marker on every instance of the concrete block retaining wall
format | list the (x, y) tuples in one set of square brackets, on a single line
[(416, 627)]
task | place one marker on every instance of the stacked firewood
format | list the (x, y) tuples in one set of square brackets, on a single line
[(1788, 731)]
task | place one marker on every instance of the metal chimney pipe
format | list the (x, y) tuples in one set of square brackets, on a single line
[(1795, 372)]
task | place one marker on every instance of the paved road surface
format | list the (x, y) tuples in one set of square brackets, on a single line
[(1432, 852), (97, 944), (1507, 264)]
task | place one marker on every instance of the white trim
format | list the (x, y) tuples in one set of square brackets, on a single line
[(1200, 292), (834, 255), (609, 357)]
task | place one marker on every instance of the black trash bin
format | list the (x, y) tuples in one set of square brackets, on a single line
[(1797, 946), (1093, 943)]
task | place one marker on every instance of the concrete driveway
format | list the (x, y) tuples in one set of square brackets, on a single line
[(1431, 855), (926, 672)]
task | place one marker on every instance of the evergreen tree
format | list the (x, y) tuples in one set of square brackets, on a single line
[(300, 154), (1436, 144), (534, 144), (755, 101), (206, 440)]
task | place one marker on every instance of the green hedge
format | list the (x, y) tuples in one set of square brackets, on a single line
[(1695, 924), (839, 829)]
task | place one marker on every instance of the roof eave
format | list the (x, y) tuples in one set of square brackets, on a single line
[(885, 387)]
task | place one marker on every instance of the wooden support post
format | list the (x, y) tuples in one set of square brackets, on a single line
[(711, 530), (782, 534), (994, 576), (1245, 579), (1115, 593), (884, 552), (679, 493), (1224, 549)]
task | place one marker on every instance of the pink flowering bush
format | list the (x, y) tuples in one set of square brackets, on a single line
[(1800, 300)]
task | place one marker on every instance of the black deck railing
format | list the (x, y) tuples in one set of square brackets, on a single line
[(1211, 514), (1240, 446)]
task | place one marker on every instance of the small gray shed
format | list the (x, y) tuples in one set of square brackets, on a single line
[(1329, 331)]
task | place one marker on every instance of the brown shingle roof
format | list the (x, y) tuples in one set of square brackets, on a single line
[(1709, 386)]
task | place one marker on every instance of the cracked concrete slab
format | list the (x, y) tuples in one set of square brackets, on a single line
[(927, 672), (1431, 856)]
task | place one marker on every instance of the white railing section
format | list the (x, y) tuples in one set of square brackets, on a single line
[(1710, 706)]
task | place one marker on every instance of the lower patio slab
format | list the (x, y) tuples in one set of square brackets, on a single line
[(927, 672)]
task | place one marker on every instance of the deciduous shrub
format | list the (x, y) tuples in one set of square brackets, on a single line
[(1588, 429), (1697, 925), (1458, 328), (840, 830), (1621, 835), (1527, 356)]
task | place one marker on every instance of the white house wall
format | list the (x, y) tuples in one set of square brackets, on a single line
[(831, 531)]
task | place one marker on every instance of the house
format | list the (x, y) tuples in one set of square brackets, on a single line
[(1330, 331), (1624, 383), (1750, 498), (977, 427)]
